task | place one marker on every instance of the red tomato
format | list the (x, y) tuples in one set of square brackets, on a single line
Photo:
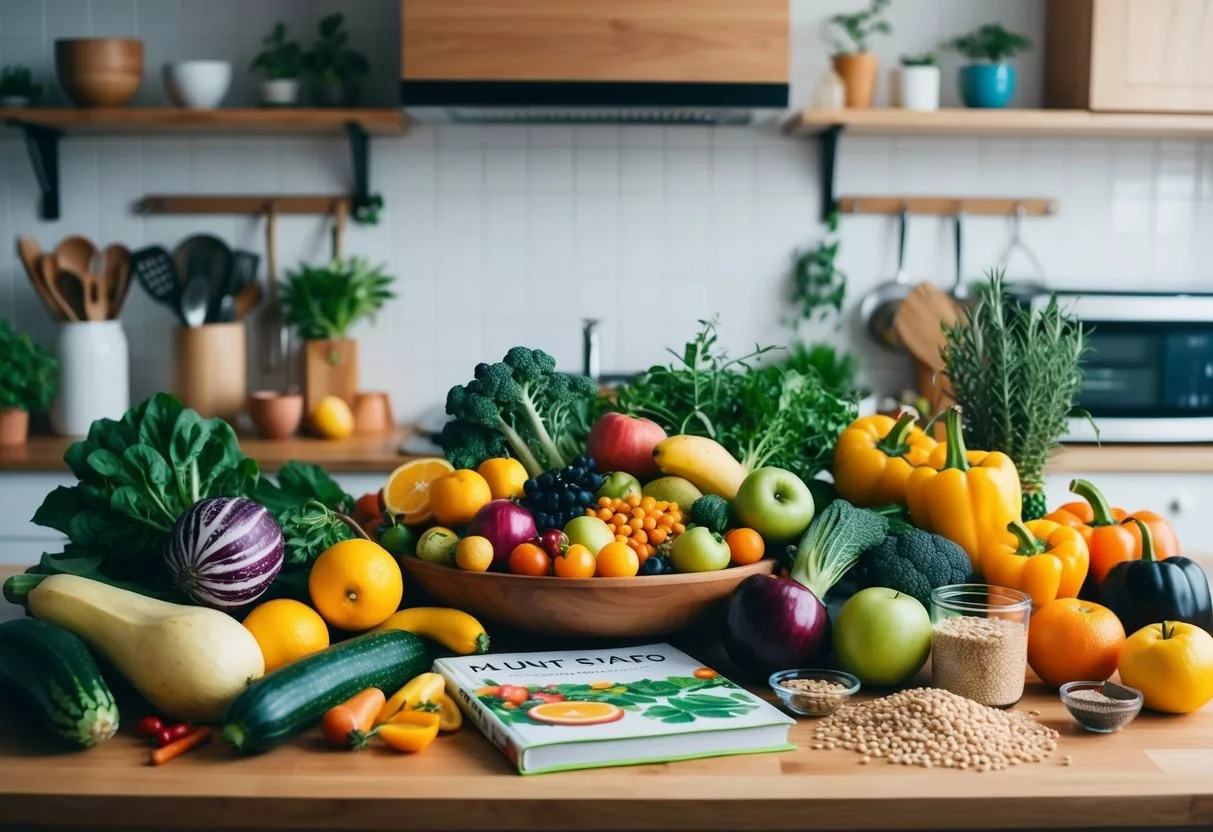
[(547, 697), (576, 562), (529, 559), (515, 694), (149, 726)]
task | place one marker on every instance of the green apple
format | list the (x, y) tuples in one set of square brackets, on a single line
[(590, 532), (618, 485), (882, 636), (674, 490), (776, 504), (699, 549)]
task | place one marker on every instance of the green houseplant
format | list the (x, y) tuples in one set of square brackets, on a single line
[(335, 69), (322, 303), (988, 80), (918, 82), (29, 378), (853, 62), (282, 62), (17, 87)]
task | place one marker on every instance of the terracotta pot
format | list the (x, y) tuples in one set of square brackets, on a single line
[(276, 415), (858, 74), (99, 72), (14, 426), (373, 413), (330, 368)]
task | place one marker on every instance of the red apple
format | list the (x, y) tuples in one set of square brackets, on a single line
[(625, 443)]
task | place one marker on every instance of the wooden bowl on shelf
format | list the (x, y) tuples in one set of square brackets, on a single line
[(639, 607), (99, 72)]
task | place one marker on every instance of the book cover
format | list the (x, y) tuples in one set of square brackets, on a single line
[(560, 710)]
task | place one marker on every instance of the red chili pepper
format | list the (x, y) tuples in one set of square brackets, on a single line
[(149, 726)]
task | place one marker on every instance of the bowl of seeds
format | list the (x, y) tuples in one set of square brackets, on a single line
[(1102, 707), (810, 692)]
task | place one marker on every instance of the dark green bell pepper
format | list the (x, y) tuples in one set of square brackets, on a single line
[(1149, 591)]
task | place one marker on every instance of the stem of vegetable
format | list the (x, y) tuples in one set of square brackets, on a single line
[(1029, 544), (957, 456), (894, 443), (1166, 634), (1100, 510), (520, 449), (354, 525), (555, 460), (1147, 538)]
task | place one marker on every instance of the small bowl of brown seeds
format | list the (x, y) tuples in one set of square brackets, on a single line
[(1102, 707), (810, 692)]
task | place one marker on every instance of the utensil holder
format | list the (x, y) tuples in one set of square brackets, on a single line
[(94, 375), (209, 369), (330, 368)]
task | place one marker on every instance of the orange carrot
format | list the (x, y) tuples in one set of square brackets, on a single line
[(175, 749)]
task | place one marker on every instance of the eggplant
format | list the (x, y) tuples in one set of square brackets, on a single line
[(1149, 591), (775, 624)]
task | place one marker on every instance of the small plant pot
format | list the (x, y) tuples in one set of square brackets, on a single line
[(858, 74), (330, 368), (918, 88), (282, 92), (14, 426), (14, 101), (335, 94), (987, 85), (373, 413), (276, 415)]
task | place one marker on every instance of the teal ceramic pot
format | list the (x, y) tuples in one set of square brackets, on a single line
[(987, 85)]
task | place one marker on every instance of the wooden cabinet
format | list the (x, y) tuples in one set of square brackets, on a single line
[(1130, 55)]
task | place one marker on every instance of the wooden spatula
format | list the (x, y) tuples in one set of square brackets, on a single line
[(31, 258), (920, 321), (118, 273), (68, 298)]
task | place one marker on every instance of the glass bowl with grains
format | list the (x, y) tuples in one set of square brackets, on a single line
[(1102, 707), (810, 692)]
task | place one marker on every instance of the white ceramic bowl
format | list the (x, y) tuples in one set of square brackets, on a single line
[(198, 85)]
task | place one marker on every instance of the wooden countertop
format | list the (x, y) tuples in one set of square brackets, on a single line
[(1158, 773)]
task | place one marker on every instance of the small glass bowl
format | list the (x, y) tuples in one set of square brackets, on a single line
[(1100, 717), (806, 703)]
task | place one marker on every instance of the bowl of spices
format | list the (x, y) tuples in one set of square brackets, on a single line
[(1102, 707), (979, 642), (813, 692)]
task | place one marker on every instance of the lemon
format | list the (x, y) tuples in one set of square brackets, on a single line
[(474, 554), (505, 477), (332, 418)]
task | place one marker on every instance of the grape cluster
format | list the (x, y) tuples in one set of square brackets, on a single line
[(557, 496)]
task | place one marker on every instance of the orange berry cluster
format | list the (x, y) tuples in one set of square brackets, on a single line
[(641, 523)]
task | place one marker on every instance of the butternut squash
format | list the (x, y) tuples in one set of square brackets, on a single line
[(189, 662)]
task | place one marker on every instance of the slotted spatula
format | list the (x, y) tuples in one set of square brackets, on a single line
[(157, 274)]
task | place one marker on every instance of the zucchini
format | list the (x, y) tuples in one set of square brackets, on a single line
[(53, 670), (295, 697)]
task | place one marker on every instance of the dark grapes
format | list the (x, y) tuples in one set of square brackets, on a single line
[(653, 565), (557, 496)]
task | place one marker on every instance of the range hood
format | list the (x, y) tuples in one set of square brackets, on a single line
[(585, 61)]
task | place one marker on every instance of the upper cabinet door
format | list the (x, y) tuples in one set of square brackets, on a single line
[(1152, 55)]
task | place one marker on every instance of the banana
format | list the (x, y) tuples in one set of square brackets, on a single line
[(705, 462)]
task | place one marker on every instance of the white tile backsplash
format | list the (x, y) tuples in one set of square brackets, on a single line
[(512, 234)]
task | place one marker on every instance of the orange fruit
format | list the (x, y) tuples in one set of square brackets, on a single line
[(1072, 640), (745, 546), (474, 554), (407, 492), (457, 497), (286, 630), (505, 477), (332, 418), (575, 713), (355, 585), (617, 560)]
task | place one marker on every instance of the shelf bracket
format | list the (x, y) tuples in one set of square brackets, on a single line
[(366, 206), (829, 163), (42, 144)]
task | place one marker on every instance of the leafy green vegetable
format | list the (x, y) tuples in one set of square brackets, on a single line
[(914, 562), (323, 302), (836, 369), (833, 543)]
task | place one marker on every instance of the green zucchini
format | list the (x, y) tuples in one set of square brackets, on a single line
[(53, 670), (294, 698)]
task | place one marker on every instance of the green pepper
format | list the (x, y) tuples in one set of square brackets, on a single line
[(1149, 591)]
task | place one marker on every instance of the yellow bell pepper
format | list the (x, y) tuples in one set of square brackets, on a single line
[(1044, 559), (968, 497), (873, 459)]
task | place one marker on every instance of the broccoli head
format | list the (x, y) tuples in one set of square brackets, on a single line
[(915, 563)]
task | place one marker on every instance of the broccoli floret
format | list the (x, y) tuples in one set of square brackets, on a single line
[(711, 511), (467, 444), (914, 563)]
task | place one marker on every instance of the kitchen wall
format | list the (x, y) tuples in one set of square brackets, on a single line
[(506, 235)]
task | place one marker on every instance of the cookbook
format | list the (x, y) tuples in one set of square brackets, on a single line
[(562, 710)]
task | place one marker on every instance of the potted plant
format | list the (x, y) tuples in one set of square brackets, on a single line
[(988, 80), (17, 87), (335, 68), (855, 65), (322, 303), (918, 82), (282, 61), (29, 377)]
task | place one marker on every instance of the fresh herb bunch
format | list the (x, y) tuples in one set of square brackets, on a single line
[(819, 287), (925, 59), (331, 60), (990, 42), (29, 375), (1016, 371), (17, 81), (770, 415), (323, 302), (835, 369), (860, 26), (280, 58)]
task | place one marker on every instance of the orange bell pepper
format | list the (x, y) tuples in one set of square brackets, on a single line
[(1107, 540), (1042, 558), (874, 457)]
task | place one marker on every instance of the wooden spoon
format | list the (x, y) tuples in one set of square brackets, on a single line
[(31, 258), (75, 253), (920, 322), (118, 272), (67, 297)]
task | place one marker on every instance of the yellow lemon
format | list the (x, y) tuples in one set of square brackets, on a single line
[(505, 477), (457, 497), (474, 554), (332, 418), (286, 630)]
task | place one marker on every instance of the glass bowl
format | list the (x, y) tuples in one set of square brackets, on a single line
[(813, 703), (1100, 716)]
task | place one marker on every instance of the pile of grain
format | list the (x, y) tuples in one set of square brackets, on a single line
[(983, 659), (930, 727)]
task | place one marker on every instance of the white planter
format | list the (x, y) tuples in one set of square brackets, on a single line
[(14, 100), (197, 85), (918, 87), (94, 376), (281, 92)]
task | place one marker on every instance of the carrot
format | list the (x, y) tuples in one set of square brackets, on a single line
[(175, 749), (346, 725)]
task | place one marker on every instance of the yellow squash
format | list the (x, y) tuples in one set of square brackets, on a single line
[(453, 629), (875, 456), (1044, 559)]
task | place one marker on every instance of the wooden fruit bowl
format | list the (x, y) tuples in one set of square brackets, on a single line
[(643, 606)]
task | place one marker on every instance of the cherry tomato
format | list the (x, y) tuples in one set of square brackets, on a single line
[(173, 733), (162, 738), (515, 694), (149, 726), (529, 559), (547, 697), (576, 562)]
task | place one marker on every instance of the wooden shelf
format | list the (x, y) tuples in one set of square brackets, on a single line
[(890, 121), (282, 120)]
